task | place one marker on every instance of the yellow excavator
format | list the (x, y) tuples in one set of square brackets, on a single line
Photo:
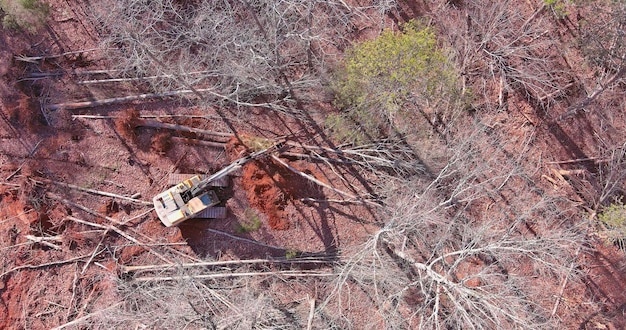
[(193, 197)]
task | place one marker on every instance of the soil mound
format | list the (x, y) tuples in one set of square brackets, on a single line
[(269, 186)]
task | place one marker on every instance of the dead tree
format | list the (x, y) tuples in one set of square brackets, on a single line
[(445, 260), (501, 46), (603, 44), (240, 50)]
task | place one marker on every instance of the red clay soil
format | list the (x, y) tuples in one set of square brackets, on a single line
[(264, 194), (261, 185), (269, 186)]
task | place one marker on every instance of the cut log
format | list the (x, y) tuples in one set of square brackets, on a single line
[(223, 263), (36, 59), (117, 100), (156, 124), (286, 273)]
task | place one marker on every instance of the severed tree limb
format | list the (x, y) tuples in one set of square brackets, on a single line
[(103, 81), (309, 324), (157, 124), (570, 161), (318, 182), (45, 240), (117, 222), (97, 192), (572, 172), (560, 297), (128, 269), (126, 221), (316, 157), (83, 208), (36, 59), (111, 227), (288, 273)]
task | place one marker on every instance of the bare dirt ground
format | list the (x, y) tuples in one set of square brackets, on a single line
[(71, 262)]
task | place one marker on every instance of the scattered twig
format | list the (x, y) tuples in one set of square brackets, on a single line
[(90, 72), (121, 233), (85, 318), (103, 81), (95, 251), (16, 216), (30, 154)]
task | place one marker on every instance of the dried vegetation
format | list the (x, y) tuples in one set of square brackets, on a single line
[(486, 194)]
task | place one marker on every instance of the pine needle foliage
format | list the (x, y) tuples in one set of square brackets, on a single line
[(379, 78)]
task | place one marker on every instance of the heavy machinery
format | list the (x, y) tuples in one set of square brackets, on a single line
[(194, 198)]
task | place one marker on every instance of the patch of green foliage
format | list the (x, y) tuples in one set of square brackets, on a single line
[(557, 7), (613, 221), (24, 14), (249, 223), (378, 78), (291, 253)]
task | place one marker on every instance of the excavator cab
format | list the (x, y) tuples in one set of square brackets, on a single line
[(179, 203)]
